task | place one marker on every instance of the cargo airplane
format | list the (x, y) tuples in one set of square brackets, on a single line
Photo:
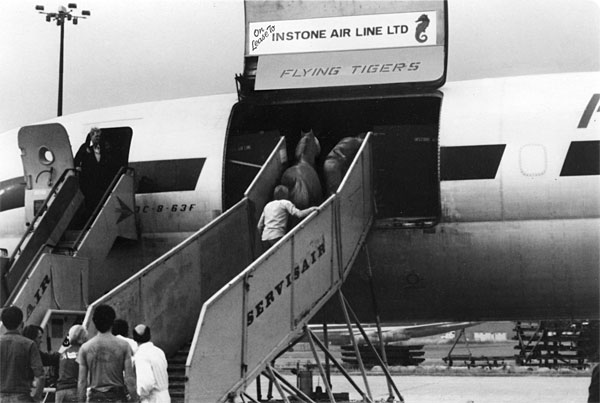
[(486, 191)]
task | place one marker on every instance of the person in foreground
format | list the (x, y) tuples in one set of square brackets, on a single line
[(150, 368), (106, 361), (20, 362), (68, 369)]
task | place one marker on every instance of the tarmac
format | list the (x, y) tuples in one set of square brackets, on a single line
[(460, 389)]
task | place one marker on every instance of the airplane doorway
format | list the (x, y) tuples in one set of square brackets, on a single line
[(97, 172), (118, 140), (406, 178), (405, 145)]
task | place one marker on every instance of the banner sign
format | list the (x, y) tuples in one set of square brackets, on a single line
[(400, 30), (365, 67)]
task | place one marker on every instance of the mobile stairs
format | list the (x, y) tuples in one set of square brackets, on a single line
[(48, 271), (238, 327)]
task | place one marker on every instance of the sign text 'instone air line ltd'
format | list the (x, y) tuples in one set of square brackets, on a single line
[(343, 33)]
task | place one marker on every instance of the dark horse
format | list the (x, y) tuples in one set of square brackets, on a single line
[(338, 161), (302, 179)]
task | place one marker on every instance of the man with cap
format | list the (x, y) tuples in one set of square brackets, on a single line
[(20, 362), (151, 368)]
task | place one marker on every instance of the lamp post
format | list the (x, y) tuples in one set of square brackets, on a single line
[(64, 14)]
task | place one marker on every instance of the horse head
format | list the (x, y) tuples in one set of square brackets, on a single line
[(308, 148)]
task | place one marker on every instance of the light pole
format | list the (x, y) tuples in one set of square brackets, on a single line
[(63, 14)]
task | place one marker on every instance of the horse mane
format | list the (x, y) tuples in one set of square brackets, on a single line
[(303, 147)]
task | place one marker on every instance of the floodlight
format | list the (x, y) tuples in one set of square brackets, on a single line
[(63, 14)]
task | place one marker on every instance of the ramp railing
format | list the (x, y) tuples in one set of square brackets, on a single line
[(167, 294), (48, 225), (55, 280), (255, 316)]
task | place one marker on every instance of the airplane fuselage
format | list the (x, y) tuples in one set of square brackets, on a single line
[(503, 225)]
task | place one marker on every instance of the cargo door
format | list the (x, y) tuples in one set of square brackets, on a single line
[(301, 49), (46, 154)]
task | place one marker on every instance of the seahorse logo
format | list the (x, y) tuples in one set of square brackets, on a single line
[(420, 35)]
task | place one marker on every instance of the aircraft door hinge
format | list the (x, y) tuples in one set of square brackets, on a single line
[(28, 182)]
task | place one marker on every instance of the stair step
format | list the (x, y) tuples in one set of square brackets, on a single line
[(174, 367), (176, 371)]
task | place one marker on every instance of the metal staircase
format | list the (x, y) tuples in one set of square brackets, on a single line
[(251, 320), (47, 227), (249, 308), (50, 267), (167, 294)]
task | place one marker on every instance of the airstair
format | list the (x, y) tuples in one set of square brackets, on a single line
[(250, 309), (49, 268)]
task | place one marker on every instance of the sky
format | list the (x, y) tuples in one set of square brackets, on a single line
[(146, 50)]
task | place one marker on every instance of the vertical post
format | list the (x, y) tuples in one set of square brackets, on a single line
[(326, 341), (377, 320), (258, 389), (61, 66)]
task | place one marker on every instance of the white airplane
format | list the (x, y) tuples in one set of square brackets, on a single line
[(511, 225), (486, 191)]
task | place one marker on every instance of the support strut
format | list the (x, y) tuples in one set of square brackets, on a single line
[(374, 350), (378, 321), (355, 345)]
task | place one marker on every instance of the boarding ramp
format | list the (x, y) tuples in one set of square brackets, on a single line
[(47, 227), (255, 317), (57, 275), (167, 295)]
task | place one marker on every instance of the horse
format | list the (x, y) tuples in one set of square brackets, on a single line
[(301, 178), (338, 161)]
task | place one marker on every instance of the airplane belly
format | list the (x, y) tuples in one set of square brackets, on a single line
[(500, 270)]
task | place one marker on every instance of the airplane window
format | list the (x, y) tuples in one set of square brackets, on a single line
[(46, 156), (533, 160)]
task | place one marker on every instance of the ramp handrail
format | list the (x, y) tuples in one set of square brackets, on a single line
[(44, 246), (181, 275), (107, 192), (264, 308), (40, 212), (26, 273)]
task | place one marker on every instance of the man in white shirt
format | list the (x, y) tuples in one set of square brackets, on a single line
[(274, 218), (150, 368)]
